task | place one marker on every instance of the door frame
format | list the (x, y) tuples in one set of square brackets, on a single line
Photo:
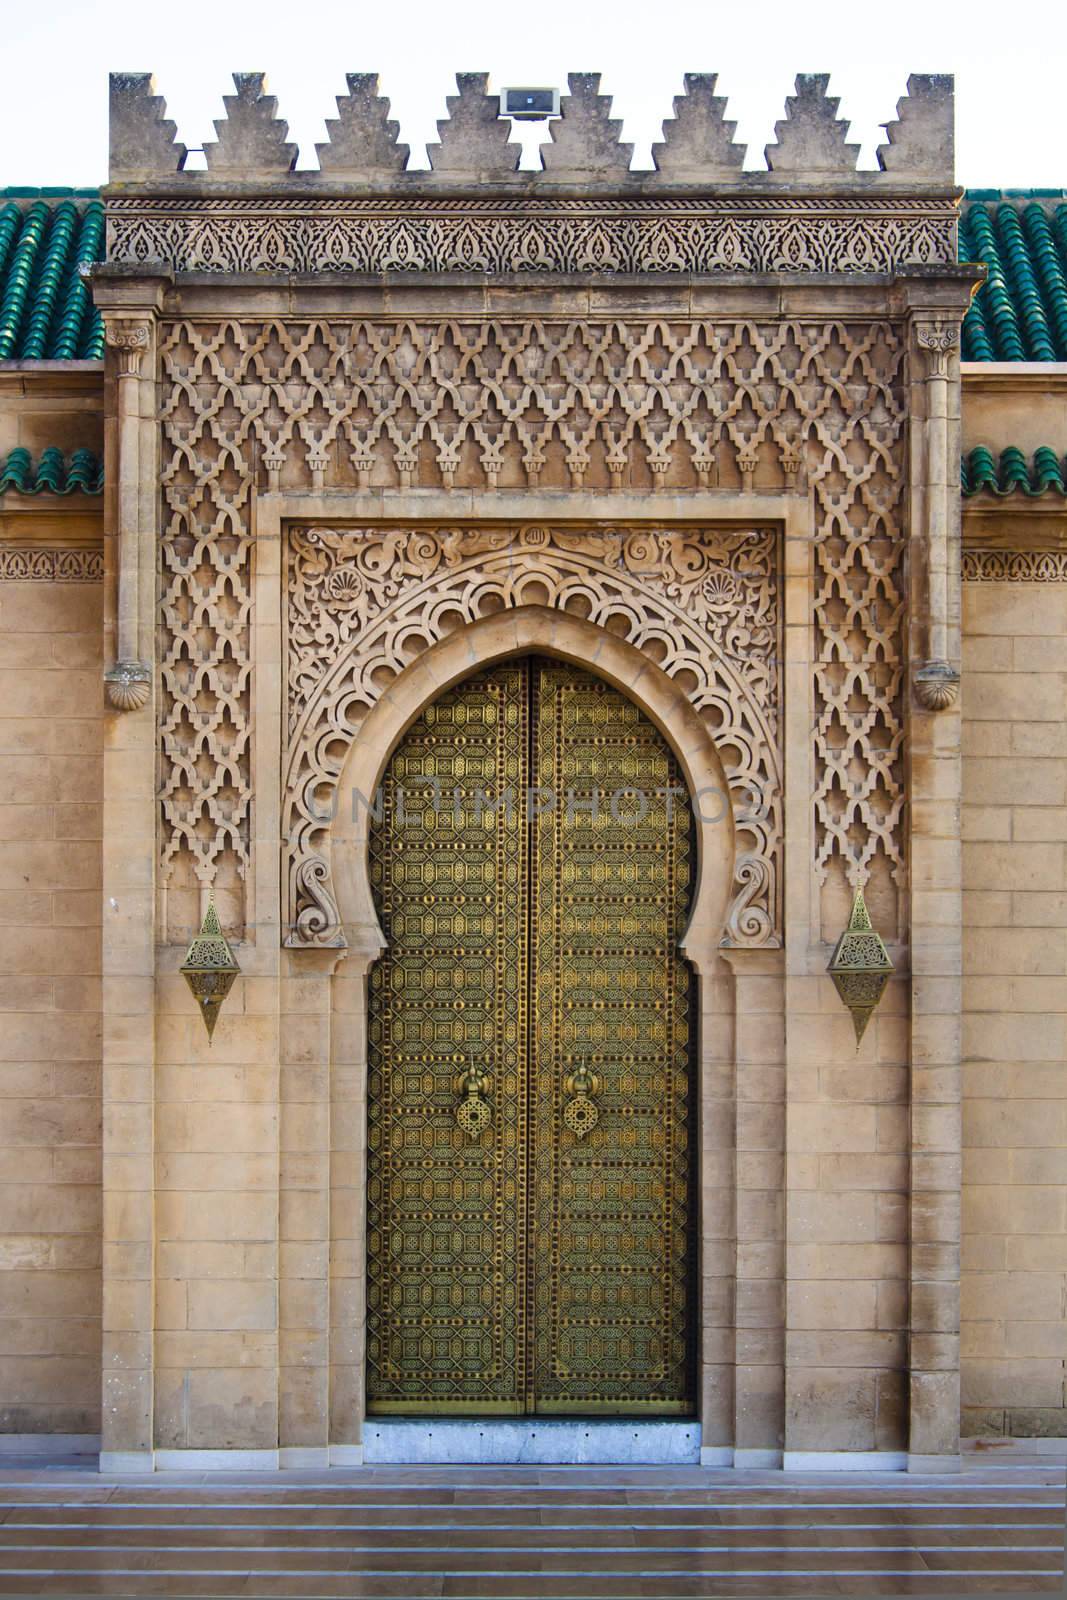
[(540, 631), (528, 685), (747, 1053)]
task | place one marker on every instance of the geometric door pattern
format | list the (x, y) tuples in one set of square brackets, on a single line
[(530, 1166)]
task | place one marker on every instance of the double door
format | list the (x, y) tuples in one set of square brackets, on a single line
[(530, 1120)]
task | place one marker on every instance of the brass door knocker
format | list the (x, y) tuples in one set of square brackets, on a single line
[(581, 1113), (474, 1113)]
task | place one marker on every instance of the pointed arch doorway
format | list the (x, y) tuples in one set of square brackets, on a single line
[(530, 1209)]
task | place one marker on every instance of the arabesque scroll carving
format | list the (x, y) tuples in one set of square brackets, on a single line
[(701, 603), (198, 234)]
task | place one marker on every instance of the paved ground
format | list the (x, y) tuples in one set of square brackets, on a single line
[(550, 1533)]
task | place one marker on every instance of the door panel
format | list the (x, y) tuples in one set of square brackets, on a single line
[(446, 1214), (541, 1262), (610, 1236)]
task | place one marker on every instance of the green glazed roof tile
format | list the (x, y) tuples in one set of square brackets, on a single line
[(980, 471), (1020, 312), (45, 310), (82, 472)]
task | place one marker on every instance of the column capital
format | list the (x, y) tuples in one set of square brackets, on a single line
[(129, 337), (937, 340)]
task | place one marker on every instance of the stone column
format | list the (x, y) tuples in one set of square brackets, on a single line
[(130, 309), (130, 338), (936, 905), (346, 1208), (759, 1337)]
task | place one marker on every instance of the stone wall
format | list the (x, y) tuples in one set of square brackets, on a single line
[(1014, 1288), (51, 645), (502, 420)]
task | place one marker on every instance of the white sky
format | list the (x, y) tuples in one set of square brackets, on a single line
[(1009, 57)]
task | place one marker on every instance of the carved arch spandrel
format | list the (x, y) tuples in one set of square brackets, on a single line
[(698, 604)]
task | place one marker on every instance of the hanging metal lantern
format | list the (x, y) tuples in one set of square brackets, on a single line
[(860, 966), (210, 968)]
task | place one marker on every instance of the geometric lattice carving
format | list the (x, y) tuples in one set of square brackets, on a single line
[(702, 603), (493, 403), (33, 564)]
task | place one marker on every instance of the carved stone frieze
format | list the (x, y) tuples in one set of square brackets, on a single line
[(36, 565), (701, 603), (531, 234), (811, 406), (1014, 566)]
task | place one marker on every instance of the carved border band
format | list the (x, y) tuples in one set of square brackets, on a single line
[(1014, 566), (528, 235), (51, 566)]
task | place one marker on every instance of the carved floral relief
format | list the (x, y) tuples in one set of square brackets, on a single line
[(701, 603)]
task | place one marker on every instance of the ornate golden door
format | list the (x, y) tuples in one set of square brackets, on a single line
[(530, 1157)]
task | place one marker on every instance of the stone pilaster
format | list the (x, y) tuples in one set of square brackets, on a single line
[(936, 906), (129, 877)]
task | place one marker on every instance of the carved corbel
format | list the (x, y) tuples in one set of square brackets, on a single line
[(937, 681), (128, 682)]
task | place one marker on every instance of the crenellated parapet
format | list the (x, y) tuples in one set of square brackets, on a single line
[(585, 149), (584, 209)]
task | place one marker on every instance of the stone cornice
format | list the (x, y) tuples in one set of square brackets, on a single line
[(1013, 377), (1020, 524), (47, 379)]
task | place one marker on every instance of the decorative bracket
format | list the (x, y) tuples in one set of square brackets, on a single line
[(937, 685), (128, 685)]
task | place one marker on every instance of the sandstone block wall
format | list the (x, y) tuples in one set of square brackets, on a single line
[(1014, 1288), (50, 1005)]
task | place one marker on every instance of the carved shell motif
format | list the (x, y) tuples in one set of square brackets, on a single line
[(128, 686)]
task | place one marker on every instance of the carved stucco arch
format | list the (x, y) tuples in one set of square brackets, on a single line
[(524, 631), (698, 605)]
